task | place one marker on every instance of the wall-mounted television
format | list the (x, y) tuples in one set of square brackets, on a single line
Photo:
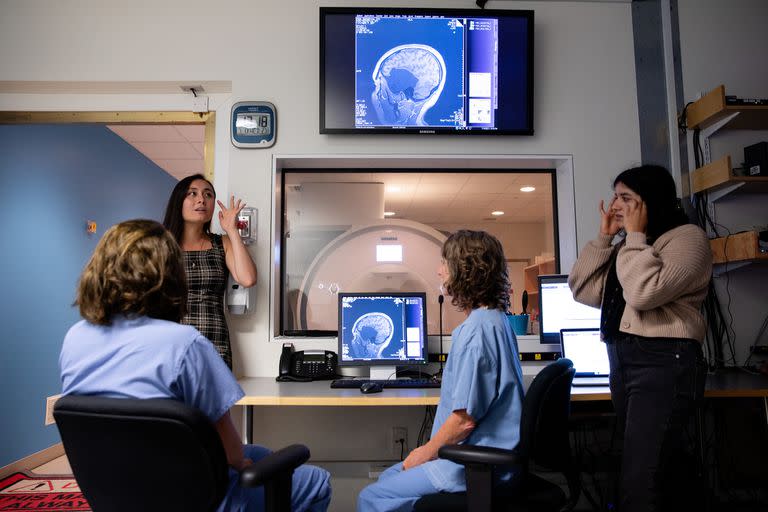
[(426, 71)]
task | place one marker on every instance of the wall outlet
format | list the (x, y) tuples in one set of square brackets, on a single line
[(398, 447), (375, 469), (49, 402)]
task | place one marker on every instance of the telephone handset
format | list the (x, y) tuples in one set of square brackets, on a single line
[(306, 365)]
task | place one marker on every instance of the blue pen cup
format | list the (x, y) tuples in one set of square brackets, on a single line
[(519, 324)]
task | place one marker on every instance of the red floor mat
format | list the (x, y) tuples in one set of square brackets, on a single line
[(23, 491)]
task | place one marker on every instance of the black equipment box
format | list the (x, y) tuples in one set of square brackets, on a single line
[(756, 159)]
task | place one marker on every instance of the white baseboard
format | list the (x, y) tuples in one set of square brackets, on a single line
[(34, 460)]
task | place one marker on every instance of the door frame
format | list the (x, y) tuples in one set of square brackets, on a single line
[(208, 119)]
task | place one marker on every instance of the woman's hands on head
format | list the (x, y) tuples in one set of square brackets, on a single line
[(609, 224), (228, 216), (635, 217)]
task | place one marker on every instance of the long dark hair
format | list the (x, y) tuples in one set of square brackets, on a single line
[(174, 221), (655, 185)]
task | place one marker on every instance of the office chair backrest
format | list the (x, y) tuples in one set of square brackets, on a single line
[(544, 434), (147, 455)]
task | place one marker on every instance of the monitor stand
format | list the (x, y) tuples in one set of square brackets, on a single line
[(383, 372)]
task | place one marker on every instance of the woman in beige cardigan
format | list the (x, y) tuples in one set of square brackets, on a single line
[(650, 287)]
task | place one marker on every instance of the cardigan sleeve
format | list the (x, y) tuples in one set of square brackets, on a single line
[(588, 273), (653, 276)]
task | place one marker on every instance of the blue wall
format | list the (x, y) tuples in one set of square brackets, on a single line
[(53, 179)]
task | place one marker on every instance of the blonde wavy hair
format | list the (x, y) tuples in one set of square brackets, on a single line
[(136, 270), (477, 271)]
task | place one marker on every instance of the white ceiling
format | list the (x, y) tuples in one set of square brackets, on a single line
[(177, 149), (452, 198)]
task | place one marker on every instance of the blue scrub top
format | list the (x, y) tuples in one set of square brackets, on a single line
[(147, 358), (482, 376)]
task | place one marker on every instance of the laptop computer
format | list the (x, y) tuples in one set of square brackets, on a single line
[(589, 356)]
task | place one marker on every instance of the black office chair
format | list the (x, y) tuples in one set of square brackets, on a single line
[(159, 455), (544, 441)]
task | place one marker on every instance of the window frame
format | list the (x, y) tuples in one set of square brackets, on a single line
[(564, 224)]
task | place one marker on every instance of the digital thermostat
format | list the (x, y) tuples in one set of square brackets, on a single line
[(254, 124)]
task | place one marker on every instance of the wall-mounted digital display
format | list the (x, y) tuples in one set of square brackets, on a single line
[(426, 71), (254, 124)]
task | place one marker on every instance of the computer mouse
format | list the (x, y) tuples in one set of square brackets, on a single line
[(370, 387)]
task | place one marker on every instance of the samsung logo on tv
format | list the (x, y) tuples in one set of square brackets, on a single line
[(426, 131)]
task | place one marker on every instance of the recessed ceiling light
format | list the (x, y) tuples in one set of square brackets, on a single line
[(389, 214), (393, 188), (527, 189), (497, 213)]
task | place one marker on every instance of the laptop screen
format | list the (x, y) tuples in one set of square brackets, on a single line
[(586, 350)]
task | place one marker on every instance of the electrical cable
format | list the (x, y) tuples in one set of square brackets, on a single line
[(440, 300), (719, 332)]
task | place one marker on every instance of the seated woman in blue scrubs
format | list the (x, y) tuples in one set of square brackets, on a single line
[(481, 397), (131, 295)]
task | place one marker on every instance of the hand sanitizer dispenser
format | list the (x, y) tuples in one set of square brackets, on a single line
[(238, 297)]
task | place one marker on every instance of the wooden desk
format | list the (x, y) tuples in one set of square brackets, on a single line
[(734, 383), (265, 391), (729, 383), (261, 391)]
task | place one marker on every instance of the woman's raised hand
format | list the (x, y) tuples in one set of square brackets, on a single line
[(636, 217), (609, 225), (228, 216)]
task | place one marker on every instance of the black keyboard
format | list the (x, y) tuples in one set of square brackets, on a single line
[(390, 383)]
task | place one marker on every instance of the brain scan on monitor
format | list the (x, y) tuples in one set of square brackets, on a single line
[(372, 333), (408, 81), (408, 72), (381, 329)]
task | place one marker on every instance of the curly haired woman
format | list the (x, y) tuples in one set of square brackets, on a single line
[(131, 295), (481, 395)]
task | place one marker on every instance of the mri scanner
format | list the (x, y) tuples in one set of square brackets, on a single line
[(349, 263)]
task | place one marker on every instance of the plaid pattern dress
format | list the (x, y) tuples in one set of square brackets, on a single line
[(207, 281)]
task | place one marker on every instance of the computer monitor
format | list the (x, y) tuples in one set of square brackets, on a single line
[(558, 310), (382, 331)]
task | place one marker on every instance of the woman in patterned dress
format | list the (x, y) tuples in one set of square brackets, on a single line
[(208, 257)]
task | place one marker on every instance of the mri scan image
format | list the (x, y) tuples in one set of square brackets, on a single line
[(372, 333), (409, 72), (408, 81)]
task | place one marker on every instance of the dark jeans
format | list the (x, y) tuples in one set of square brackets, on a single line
[(656, 385)]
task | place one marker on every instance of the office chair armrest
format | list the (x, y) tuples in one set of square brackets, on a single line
[(473, 454), (284, 460)]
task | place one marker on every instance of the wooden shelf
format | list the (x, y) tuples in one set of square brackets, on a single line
[(738, 247), (711, 108), (719, 175), (531, 283), (532, 273)]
